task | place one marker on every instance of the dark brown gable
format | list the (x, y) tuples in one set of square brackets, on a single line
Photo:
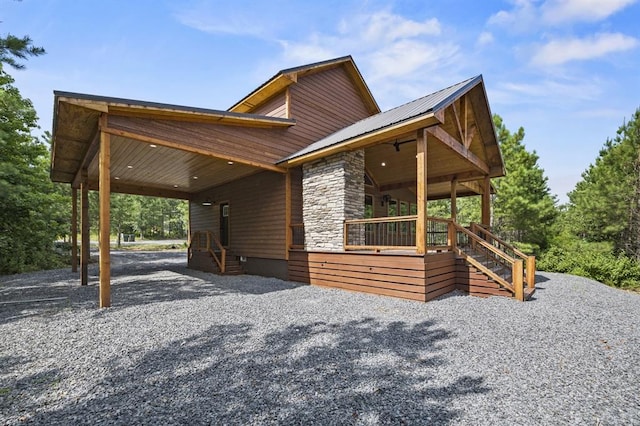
[(324, 102)]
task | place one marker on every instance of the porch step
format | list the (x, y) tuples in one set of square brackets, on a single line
[(232, 265), (528, 292)]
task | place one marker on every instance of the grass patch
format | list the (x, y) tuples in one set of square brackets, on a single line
[(150, 247)]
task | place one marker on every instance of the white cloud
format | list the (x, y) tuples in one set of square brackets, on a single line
[(384, 26), (390, 44), (557, 52), (530, 14), (561, 11), (485, 38), (524, 15), (402, 58)]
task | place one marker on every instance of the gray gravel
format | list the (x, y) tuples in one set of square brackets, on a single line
[(184, 347)]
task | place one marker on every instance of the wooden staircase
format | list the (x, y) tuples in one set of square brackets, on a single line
[(487, 265), (232, 265), (223, 261)]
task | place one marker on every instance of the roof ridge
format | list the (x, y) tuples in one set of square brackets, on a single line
[(461, 83)]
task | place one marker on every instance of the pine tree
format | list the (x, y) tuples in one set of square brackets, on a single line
[(604, 206), (524, 209)]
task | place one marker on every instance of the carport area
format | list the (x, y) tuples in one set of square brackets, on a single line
[(135, 147)]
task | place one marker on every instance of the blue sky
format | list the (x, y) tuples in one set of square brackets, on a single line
[(568, 71)]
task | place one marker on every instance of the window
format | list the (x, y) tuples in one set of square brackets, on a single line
[(368, 206)]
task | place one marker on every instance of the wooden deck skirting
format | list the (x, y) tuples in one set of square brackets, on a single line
[(407, 276)]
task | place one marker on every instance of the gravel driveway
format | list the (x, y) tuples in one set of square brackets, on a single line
[(184, 347)]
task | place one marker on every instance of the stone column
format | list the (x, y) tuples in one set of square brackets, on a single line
[(332, 192)]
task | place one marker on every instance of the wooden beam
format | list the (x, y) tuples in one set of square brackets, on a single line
[(474, 186), (486, 202), (456, 115), (74, 230), (454, 200), (87, 158), (287, 101), (421, 163), (105, 219), (398, 185), (287, 214), (125, 188), (174, 145), (462, 177), (457, 147), (471, 133), (464, 107), (84, 229)]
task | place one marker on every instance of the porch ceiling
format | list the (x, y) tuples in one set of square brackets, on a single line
[(399, 171), (148, 169)]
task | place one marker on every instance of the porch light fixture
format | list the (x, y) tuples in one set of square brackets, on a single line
[(397, 144), (175, 186), (195, 177), (129, 167), (207, 203), (385, 199), (383, 164), (153, 146), (230, 163)]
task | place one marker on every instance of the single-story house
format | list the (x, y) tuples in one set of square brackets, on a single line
[(304, 179)]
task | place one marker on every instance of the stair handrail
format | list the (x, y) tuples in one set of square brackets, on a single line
[(517, 286), (210, 237), (529, 261)]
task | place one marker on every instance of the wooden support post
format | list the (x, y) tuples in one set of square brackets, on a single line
[(421, 163), (454, 200), (74, 230), (518, 283), (287, 212), (84, 229), (486, 202), (531, 271), (453, 241), (105, 219)]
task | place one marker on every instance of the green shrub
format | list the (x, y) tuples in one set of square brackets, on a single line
[(592, 260)]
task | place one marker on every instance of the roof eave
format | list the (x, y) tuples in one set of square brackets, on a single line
[(130, 107), (364, 140)]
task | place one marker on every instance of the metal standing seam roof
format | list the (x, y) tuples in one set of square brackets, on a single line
[(408, 111)]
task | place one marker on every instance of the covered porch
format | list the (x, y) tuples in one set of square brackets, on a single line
[(442, 146)]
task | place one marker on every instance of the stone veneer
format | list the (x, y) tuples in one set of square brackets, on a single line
[(332, 192)]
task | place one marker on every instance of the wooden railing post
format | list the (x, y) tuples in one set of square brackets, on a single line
[(531, 271), (345, 236), (518, 283), (451, 227)]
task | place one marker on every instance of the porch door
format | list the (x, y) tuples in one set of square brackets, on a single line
[(224, 224)]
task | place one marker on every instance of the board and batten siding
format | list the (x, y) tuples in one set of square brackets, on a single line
[(323, 103), (256, 215), (296, 195), (276, 106)]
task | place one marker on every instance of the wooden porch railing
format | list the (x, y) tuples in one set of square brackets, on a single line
[(529, 261), (394, 233), (202, 241)]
